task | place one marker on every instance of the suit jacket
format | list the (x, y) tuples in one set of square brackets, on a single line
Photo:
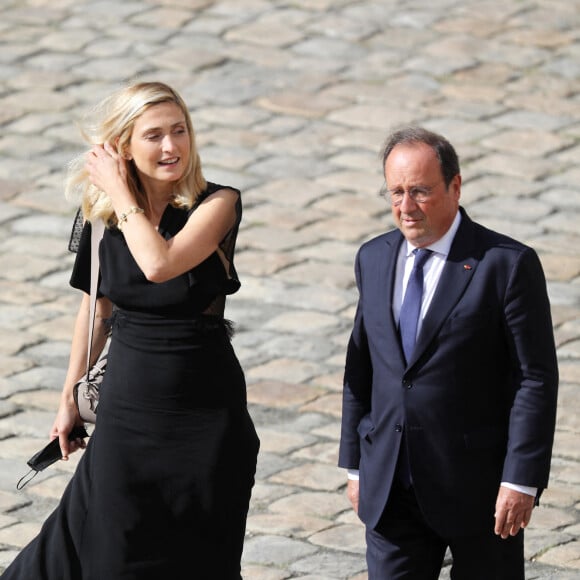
[(477, 401)]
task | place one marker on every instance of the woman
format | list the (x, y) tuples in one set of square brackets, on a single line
[(164, 484)]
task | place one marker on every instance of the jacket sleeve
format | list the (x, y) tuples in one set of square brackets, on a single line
[(356, 396), (530, 336)]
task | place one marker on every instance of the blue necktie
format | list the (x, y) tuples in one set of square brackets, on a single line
[(409, 316)]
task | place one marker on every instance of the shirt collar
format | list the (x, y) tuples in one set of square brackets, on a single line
[(443, 244)]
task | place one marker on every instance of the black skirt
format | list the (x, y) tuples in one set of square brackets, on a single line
[(165, 482)]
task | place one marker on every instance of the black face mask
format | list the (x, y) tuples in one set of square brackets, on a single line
[(48, 455)]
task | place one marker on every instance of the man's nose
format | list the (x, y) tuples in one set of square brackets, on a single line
[(407, 203)]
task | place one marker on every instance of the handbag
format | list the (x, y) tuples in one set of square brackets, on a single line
[(86, 389)]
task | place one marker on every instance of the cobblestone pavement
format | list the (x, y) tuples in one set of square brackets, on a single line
[(291, 100)]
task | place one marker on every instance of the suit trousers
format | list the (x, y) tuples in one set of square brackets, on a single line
[(404, 547)]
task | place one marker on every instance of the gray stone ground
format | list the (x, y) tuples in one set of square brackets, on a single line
[(291, 101)]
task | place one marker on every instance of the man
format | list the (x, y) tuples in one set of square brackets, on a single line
[(447, 432)]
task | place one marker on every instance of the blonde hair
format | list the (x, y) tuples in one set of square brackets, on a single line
[(114, 119)]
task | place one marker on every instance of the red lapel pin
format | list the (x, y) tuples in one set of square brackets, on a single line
[(466, 267)]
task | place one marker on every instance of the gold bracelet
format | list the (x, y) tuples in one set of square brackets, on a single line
[(123, 217)]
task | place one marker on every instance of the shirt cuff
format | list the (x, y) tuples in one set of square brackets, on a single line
[(352, 474), (521, 488)]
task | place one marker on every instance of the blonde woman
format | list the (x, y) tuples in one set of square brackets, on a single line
[(165, 481)]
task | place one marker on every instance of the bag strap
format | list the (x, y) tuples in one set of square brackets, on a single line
[(97, 231)]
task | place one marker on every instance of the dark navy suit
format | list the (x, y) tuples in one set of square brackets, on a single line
[(477, 401)]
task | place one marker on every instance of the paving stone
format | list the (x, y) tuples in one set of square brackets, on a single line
[(305, 345), (348, 538), (296, 525), (560, 495), (330, 404), (282, 368), (563, 243), (371, 116), (331, 381), (18, 535), (514, 166), (264, 493), (272, 441), (41, 399), (470, 86), (316, 503), (300, 104), (302, 322), (330, 431), (330, 565), (11, 365), (330, 50), (27, 376), (531, 120), (312, 476), (561, 268), (270, 213), (570, 349), (460, 131), (567, 555), (357, 160), (529, 210), (269, 549), (552, 518), (323, 452), (12, 342), (559, 223), (365, 202), (261, 572), (266, 237), (21, 267), (265, 33), (526, 142), (291, 192), (538, 541), (501, 186), (260, 263), (326, 274)]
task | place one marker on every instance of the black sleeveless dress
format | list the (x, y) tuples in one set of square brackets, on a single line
[(163, 487)]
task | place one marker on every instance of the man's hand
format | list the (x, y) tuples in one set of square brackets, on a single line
[(513, 511), (352, 489)]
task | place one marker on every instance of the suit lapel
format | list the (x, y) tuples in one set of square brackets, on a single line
[(389, 268), (457, 273)]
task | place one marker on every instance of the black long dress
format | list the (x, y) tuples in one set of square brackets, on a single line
[(163, 487)]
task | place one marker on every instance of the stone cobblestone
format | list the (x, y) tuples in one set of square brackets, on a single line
[(291, 101)]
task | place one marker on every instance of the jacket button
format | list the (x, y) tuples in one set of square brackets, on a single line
[(398, 428), (407, 384)]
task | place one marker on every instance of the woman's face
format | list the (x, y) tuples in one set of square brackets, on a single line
[(160, 145)]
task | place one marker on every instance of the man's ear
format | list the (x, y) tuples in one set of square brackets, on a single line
[(455, 186)]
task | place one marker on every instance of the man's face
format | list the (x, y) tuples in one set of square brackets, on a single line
[(422, 207)]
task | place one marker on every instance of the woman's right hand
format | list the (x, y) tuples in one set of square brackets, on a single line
[(108, 172), (67, 417)]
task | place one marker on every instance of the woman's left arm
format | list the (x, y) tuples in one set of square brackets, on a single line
[(161, 259)]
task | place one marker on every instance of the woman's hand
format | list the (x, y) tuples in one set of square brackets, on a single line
[(108, 171), (66, 418)]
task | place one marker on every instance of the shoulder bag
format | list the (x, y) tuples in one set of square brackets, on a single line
[(86, 390)]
